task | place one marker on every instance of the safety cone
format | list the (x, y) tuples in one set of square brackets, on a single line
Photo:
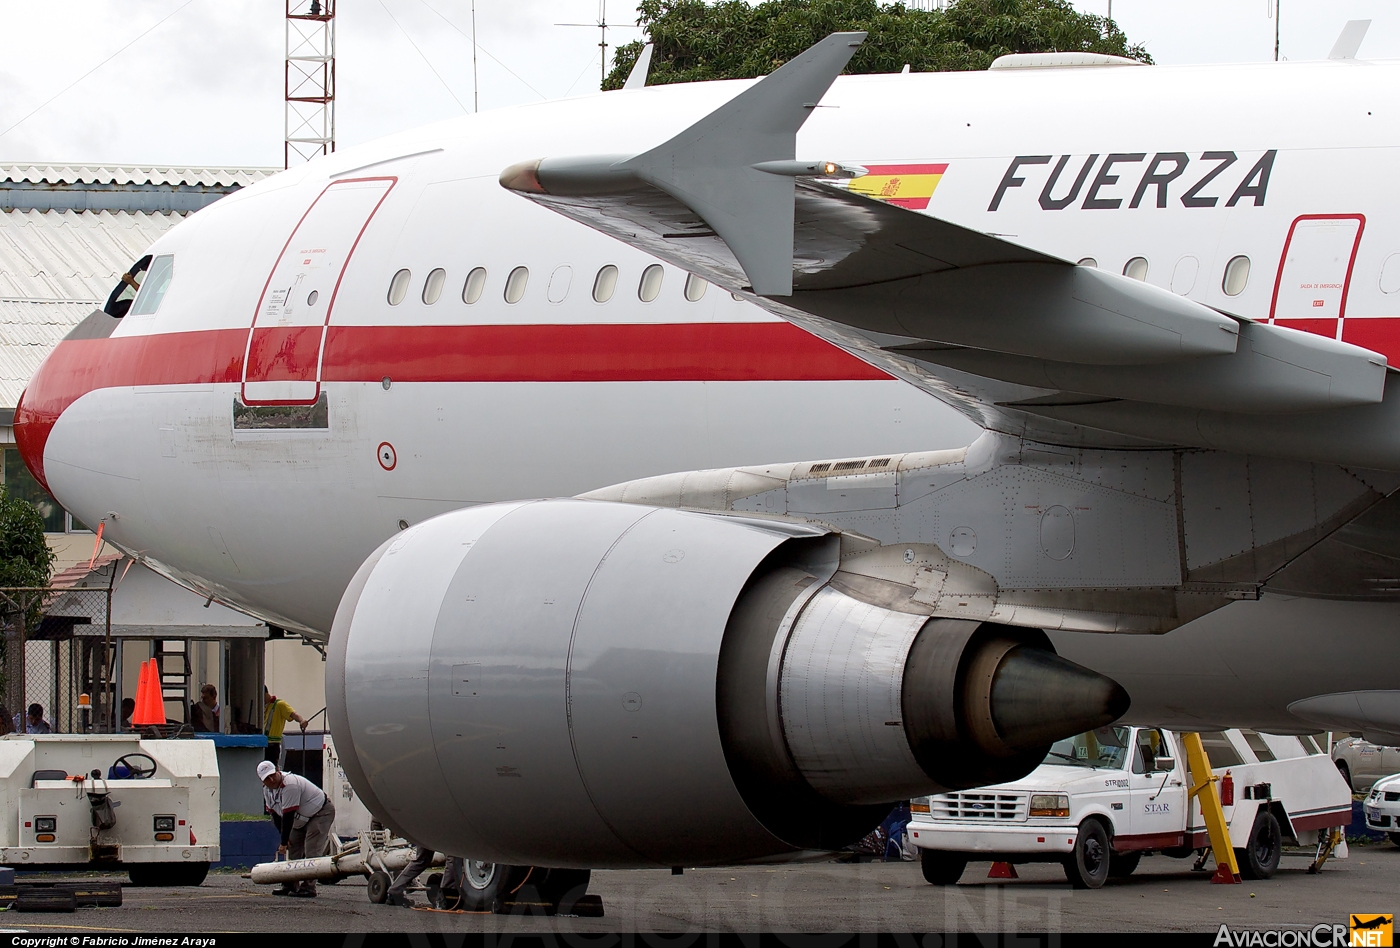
[(1002, 870), (149, 685), (138, 713), (155, 697)]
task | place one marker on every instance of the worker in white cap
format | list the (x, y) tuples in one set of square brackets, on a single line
[(302, 813)]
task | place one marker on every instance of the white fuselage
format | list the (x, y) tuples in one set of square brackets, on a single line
[(558, 393)]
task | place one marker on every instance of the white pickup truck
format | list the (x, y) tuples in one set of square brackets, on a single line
[(1102, 799)]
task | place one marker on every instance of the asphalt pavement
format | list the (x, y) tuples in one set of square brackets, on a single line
[(1162, 896)]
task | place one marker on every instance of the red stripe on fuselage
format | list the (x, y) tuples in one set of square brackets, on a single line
[(669, 352), (672, 352)]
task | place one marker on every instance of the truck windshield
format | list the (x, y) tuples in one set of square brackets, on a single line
[(1106, 747)]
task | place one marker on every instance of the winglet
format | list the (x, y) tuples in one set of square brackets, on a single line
[(637, 78), (1349, 40), (709, 167)]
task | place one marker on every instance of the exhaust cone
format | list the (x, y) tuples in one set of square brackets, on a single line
[(1038, 698)]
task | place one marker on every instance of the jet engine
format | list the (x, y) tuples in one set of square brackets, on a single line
[(583, 683)]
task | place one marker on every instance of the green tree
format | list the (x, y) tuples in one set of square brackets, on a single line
[(731, 39), (25, 559)]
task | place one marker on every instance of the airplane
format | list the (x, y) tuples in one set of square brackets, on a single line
[(1162, 296)]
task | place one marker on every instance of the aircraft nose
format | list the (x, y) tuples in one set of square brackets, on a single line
[(31, 434)]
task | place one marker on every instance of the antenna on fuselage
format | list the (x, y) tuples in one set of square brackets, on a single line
[(637, 78), (1349, 40), (309, 81)]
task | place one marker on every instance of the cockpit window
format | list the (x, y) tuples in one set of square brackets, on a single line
[(154, 286), (119, 301)]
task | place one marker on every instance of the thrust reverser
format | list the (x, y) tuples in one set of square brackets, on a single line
[(576, 683)]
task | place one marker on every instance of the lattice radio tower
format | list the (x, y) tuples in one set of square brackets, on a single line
[(310, 80)]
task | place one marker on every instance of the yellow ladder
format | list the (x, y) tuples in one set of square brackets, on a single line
[(1203, 781)]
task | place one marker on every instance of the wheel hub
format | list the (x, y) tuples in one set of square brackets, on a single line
[(479, 874)]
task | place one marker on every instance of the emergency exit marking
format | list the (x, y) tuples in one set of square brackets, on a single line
[(388, 458)]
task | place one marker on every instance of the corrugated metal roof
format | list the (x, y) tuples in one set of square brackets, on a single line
[(133, 174), (28, 332), (70, 255)]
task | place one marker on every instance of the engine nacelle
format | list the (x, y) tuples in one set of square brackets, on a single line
[(580, 683)]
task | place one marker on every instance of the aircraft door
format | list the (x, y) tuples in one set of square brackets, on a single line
[(1314, 275), (282, 361), (1156, 798)]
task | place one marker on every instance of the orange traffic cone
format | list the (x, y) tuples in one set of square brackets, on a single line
[(155, 697), (1002, 870), (138, 713)]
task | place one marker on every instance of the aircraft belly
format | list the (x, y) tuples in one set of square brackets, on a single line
[(1242, 665)]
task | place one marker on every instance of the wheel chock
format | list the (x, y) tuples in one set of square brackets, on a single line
[(1002, 870), (1223, 876)]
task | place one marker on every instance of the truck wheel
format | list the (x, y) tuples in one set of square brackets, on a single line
[(940, 867), (1260, 858), (1345, 771), (1395, 838), (1087, 866), (1122, 865), (167, 873), (378, 888)]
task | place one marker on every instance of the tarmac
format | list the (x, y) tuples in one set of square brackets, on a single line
[(1164, 895)]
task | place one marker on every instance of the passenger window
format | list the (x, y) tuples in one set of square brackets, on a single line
[(1390, 274), (398, 287), (650, 287), (559, 282), (1136, 268), (1088, 262), (694, 287), (432, 287), (1256, 744), (1220, 750), (1236, 276), (604, 284), (476, 282), (154, 286), (515, 284)]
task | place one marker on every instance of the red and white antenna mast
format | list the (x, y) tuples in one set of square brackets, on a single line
[(310, 80)]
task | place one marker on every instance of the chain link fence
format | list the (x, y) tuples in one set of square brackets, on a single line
[(58, 654)]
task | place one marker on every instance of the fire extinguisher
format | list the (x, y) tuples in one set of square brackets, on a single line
[(1227, 790)]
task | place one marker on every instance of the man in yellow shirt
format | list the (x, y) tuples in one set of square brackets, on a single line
[(276, 714)]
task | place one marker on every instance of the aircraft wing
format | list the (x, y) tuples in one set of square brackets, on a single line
[(1022, 341)]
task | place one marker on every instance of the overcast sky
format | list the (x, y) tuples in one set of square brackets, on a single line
[(204, 86)]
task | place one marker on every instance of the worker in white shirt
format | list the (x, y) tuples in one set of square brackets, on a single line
[(302, 813)]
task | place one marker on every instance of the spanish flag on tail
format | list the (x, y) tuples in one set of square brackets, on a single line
[(908, 186)]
